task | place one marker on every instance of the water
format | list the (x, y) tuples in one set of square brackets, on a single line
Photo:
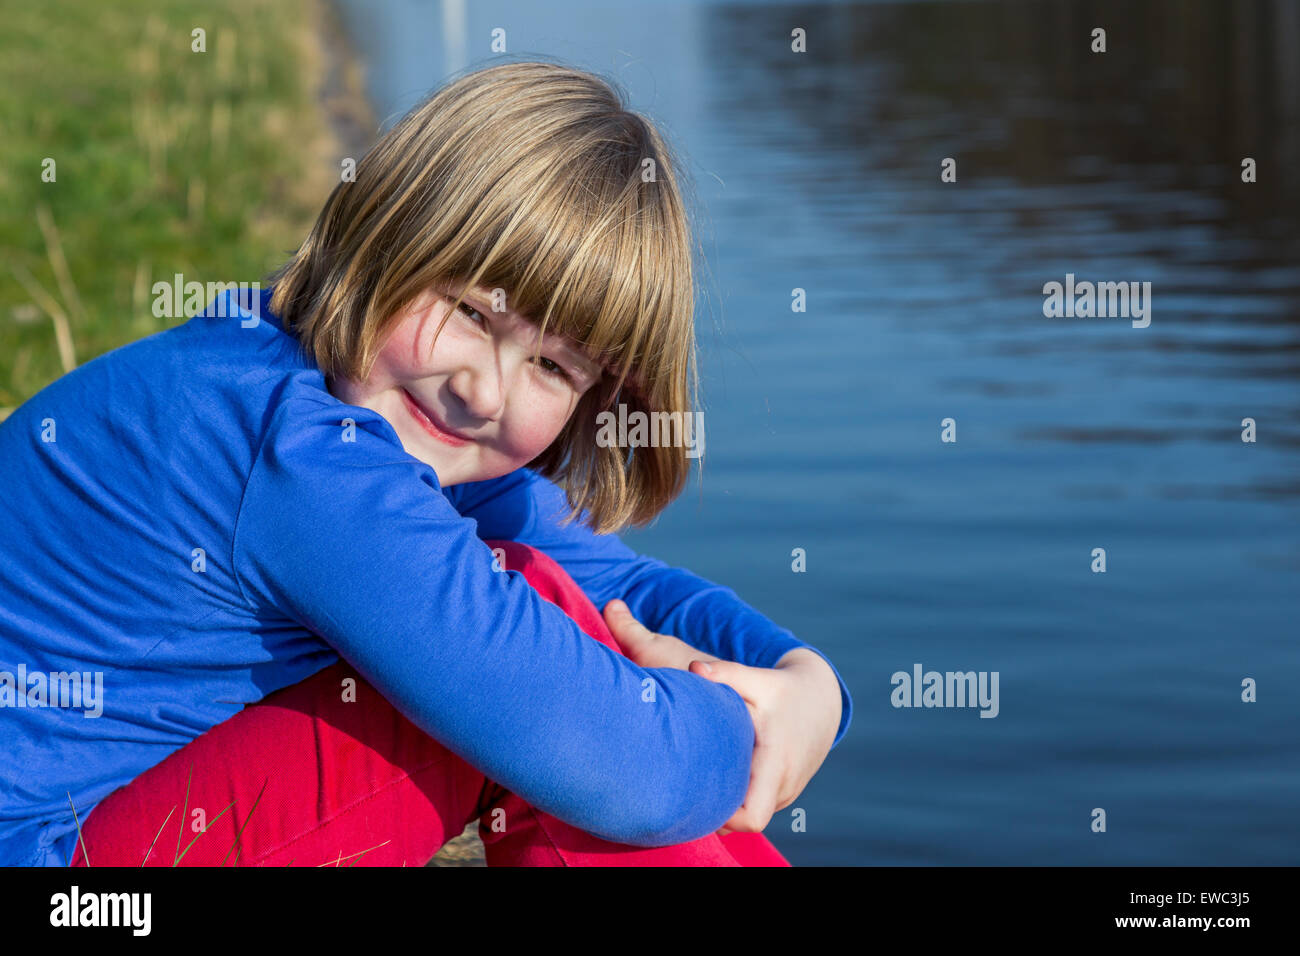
[(1119, 690)]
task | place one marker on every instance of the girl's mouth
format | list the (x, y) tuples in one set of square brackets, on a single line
[(426, 421)]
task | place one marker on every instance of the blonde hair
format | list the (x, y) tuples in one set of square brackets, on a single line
[(526, 176)]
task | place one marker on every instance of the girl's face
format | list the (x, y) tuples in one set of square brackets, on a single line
[(475, 405)]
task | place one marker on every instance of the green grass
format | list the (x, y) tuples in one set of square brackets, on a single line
[(210, 164)]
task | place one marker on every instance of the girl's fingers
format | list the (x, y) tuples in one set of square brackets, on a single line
[(619, 618), (746, 692), (645, 647), (761, 798), (751, 683), (627, 630), (767, 770), (764, 787)]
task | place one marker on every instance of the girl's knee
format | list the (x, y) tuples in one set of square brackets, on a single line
[(514, 556), (541, 570), (549, 579)]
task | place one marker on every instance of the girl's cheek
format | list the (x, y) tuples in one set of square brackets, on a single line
[(407, 352), (391, 362), (539, 428), (411, 349)]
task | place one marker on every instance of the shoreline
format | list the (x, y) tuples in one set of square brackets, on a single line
[(340, 85)]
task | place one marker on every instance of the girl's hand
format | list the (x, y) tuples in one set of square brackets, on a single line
[(796, 711), (795, 707), (643, 647)]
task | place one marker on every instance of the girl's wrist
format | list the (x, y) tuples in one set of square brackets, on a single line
[(815, 668), (802, 658)]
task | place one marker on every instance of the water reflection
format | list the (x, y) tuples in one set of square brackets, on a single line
[(1117, 166)]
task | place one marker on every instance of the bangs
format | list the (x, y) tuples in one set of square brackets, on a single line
[(583, 248)]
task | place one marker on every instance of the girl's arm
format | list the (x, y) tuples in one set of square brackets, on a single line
[(526, 507), (354, 541)]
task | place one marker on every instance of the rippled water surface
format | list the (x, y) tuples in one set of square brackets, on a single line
[(924, 302)]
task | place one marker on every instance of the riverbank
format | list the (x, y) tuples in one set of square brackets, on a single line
[(144, 144)]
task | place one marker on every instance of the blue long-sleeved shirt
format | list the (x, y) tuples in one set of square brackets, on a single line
[(187, 517)]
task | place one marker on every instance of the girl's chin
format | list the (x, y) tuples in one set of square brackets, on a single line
[(451, 471), (461, 476)]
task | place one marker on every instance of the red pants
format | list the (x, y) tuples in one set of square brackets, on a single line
[(307, 779)]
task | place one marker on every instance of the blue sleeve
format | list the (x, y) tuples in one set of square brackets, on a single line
[(523, 506), (355, 541)]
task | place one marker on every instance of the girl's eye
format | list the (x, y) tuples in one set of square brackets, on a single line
[(474, 315), (557, 370)]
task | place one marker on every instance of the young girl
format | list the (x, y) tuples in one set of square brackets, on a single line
[(324, 573)]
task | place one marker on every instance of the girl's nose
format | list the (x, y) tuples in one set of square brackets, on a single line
[(480, 389)]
